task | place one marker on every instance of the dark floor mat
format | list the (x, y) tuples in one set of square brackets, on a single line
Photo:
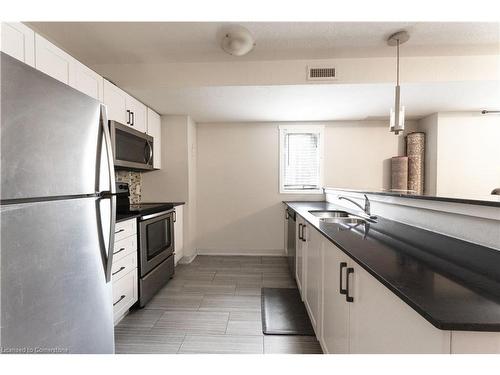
[(284, 313)]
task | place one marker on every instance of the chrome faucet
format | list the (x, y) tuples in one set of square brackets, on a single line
[(366, 209)]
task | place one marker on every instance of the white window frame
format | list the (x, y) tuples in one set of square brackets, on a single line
[(320, 129)]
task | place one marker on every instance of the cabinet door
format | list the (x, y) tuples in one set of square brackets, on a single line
[(300, 245), (18, 41), (154, 130), (139, 115), (335, 308), (313, 276), (88, 81), (178, 234), (379, 322), (116, 102), (54, 62)]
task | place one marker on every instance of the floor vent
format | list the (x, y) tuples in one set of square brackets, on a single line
[(321, 73)]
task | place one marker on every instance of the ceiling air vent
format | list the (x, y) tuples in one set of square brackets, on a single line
[(321, 73)]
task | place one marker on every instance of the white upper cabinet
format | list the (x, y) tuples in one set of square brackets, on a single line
[(124, 108), (116, 101), (154, 130), (54, 62), (89, 82), (18, 41), (138, 114)]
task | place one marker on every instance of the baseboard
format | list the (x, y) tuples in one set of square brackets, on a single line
[(186, 259), (247, 252)]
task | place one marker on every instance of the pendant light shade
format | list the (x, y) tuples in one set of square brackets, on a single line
[(397, 113)]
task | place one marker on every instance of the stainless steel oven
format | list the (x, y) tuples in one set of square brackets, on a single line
[(156, 249), (131, 148)]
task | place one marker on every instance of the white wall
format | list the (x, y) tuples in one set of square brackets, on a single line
[(239, 207), (462, 153), (176, 181), (468, 154)]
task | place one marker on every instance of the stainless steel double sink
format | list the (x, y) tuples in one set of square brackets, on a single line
[(335, 216)]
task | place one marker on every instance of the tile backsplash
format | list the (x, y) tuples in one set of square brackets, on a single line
[(134, 179)]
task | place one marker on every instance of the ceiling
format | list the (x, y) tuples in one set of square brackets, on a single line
[(319, 102), (117, 44), (163, 42)]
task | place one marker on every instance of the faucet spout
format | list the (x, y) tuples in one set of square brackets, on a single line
[(365, 209)]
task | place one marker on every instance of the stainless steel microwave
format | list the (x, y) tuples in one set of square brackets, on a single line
[(132, 149)]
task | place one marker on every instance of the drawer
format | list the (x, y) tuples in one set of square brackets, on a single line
[(126, 228), (123, 266), (125, 247), (124, 294)]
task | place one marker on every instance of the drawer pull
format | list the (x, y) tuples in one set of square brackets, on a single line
[(119, 251), (348, 298), (342, 266), (122, 297), (120, 270), (119, 231)]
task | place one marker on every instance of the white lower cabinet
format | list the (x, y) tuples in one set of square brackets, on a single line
[(124, 295), (299, 251), (335, 326), (380, 322), (313, 276), (362, 316), (178, 234), (124, 268)]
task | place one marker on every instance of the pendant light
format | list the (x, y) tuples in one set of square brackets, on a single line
[(397, 114)]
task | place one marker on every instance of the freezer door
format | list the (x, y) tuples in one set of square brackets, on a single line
[(54, 294), (51, 138)]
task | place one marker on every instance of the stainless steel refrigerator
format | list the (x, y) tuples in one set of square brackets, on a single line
[(57, 216)]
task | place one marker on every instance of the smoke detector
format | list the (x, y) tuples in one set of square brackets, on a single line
[(237, 41)]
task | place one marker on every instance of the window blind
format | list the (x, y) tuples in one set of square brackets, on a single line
[(301, 161)]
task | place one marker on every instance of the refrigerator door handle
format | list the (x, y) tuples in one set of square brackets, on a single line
[(109, 150), (109, 194)]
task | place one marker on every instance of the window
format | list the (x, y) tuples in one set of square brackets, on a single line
[(301, 159)]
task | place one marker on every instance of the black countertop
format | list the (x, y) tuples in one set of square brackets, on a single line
[(486, 200), (453, 284), (158, 207)]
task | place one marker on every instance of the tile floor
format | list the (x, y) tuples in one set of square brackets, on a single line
[(212, 305)]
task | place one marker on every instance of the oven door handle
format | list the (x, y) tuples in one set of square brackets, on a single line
[(147, 217)]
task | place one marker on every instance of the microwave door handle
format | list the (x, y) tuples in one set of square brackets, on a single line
[(148, 152)]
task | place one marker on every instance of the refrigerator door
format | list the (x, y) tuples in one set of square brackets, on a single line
[(51, 138), (54, 294)]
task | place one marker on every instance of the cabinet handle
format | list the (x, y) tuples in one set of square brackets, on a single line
[(128, 117), (348, 298), (133, 119), (120, 270), (175, 217), (342, 266), (303, 233), (119, 251), (300, 231), (121, 230), (122, 297), (287, 215)]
